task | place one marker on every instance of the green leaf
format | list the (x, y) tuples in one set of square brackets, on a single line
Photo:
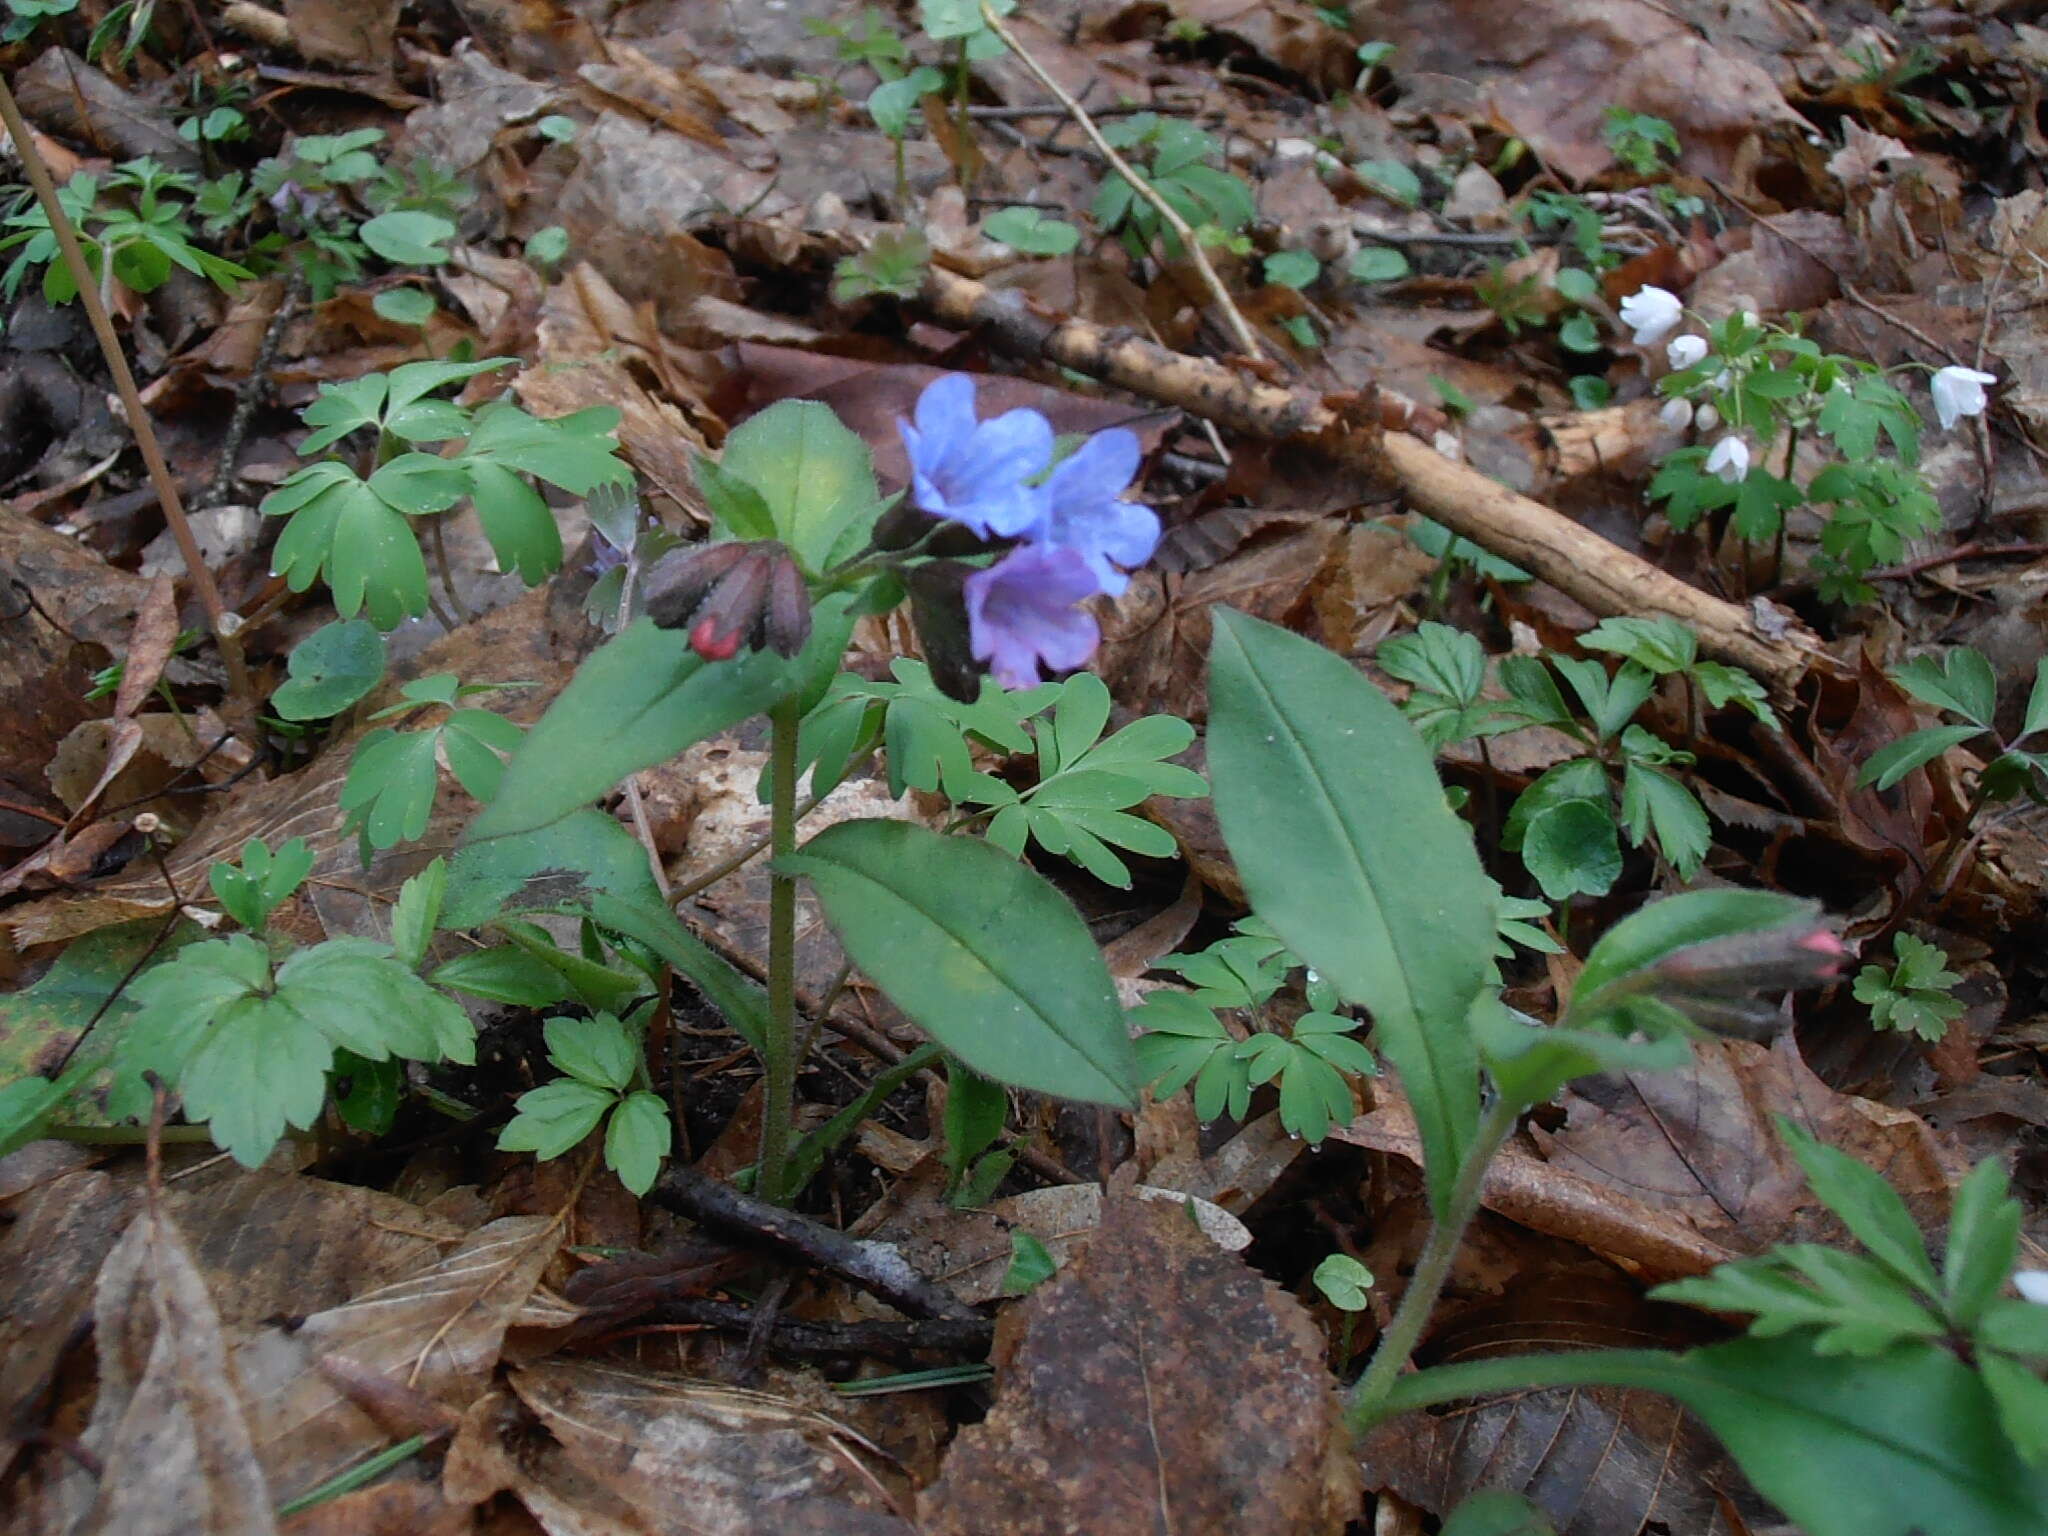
[(263, 882), (1903, 1444), (329, 670), (1496, 1512), (1031, 231), (737, 509), (973, 1120), (600, 1051), (547, 246), (1868, 1206), (1889, 764), (979, 951), (1572, 849), (516, 520), (1621, 963), (1292, 269), (404, 306), (1654, 802), (577, 452), (369, 1092), (554, 1118), (636, 1142), (1961, 682), (389, 792), (416, 913), (814, 473), (505, 974), (638, 700), (1345, 1283), (2022, 1399), (1983, 1241), (1379, 264), (891, 103), (344, 530), (28, 1104), (1330, 804), (1391, 180), (2037, 702), (407, 237), (1031, 1262)]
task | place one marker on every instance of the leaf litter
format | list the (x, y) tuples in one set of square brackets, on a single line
[(255, 1334)]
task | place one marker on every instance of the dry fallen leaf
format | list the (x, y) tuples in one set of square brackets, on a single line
[(1156, 1383)]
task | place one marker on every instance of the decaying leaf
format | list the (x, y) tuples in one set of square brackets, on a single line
[(1157, 1383)]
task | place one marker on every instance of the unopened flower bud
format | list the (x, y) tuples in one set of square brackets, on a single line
[(732, 595), (938, 607), (1677, 413), (1802, 954)]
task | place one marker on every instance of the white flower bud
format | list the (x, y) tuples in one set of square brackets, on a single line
[(1677, 413), (1684, 351), (1959, 392)]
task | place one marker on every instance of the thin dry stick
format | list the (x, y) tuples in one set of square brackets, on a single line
[(1247, 339), (225, 626)]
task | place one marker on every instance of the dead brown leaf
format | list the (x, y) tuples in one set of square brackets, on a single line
[(1155, 1383)]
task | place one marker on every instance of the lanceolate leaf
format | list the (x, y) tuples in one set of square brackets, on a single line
[(1332, 810), (641, 698), (980, 951), (1902, 1444)]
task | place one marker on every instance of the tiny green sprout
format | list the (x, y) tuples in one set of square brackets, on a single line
[(1031, 1263), (1917, 994), (556, 128), (1345, 1283), (1640, 142), (600, 1059)]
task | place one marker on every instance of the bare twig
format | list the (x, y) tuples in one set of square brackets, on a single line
[(796, 1336), (1575, 560), (877, 1268), (251, 394), (1247, 340), (226, 627)]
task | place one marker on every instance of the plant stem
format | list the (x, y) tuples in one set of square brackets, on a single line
[(226, 627), (1247, 340), (1432, 1269), (1649, 1369), (779, 1045), (447, 571)]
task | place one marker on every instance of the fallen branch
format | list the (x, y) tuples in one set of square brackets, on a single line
[(877, 1268), (1605, 578)]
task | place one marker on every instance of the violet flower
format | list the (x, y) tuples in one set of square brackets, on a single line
[(1080, 509), (1022, 613), (970, 471)]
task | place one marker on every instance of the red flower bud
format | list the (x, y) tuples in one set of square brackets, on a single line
[(730, 595)]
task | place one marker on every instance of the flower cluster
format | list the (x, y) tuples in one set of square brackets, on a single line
[(1653, 313), (1074, 535)]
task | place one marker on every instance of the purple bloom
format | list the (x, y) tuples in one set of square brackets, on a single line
[(1021, 612), (1079, 509), (974, 471)]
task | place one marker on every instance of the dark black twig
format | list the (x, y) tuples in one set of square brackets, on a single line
[(795, 1336), (877, 1268), (251, 393)]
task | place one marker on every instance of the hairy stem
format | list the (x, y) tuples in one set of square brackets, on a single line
[(226, 627), (1247, 340), (1431, 1270), (779, 1046)]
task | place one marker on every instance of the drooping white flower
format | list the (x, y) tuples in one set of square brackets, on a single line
[(1684, 351), (1677, 413), (1653, 313), (1729, 460), (1708, 418), (1959, 392), (2032, 1284)]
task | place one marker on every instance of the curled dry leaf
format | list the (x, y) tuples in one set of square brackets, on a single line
[(602, 1449), (1157, 1383), (1676, 1172)]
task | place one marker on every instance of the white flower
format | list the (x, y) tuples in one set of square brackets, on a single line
[(1677, 413), (1959, 392), (1708, 418), (1686, 350), (1729, 460), (2033, 1284), (1653, 313), (1721, 380)]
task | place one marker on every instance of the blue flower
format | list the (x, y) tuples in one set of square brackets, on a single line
[(1021, 612), (1079, 509), (970, 471)]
